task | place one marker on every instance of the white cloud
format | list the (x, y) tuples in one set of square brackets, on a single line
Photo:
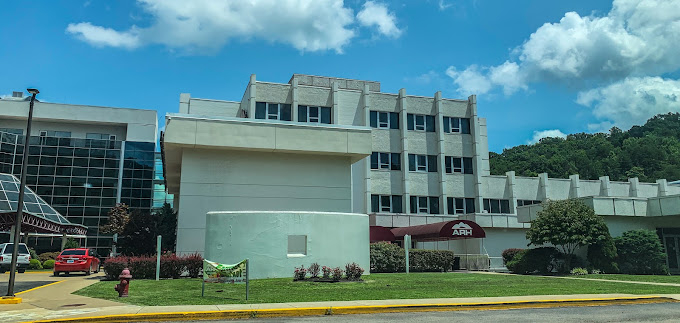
[(631, 101), (443, 5), (538, 135), (200, 25), (636, 38), (470, 81), (375, 14), (101, 37)]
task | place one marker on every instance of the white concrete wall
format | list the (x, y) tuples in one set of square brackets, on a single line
[(139, 125), (333, 239), (214, 180), (217, 108)]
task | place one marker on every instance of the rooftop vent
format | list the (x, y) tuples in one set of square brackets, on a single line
[(17, 94)]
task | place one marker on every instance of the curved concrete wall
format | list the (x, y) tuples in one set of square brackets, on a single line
[(333, 239)]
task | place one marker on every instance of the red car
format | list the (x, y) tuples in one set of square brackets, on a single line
[(79, 259)]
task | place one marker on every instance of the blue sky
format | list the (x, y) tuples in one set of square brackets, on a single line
[(538, 68)]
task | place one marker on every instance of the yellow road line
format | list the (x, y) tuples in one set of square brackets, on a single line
[(32, 289), (313, 311)]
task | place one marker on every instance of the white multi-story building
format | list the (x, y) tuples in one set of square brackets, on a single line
[(82, 160), (428, 162)]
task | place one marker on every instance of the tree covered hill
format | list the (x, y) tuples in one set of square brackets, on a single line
[(650, 152)]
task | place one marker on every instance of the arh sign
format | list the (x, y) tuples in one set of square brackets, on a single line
[(462, 230)]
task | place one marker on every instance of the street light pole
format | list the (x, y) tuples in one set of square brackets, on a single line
[(20, 202)]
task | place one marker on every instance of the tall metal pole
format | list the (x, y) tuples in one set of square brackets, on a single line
[(20, 202)]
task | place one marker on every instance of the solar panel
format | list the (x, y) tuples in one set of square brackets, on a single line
[(9, 196)]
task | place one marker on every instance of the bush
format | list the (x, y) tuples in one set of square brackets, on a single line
[(114, 266), (48, 264), (641, 252), (48, 256), (578, 271), (34, 264), (390, 258), (543, 260), (143, 267), (34, 255), (508, 254), (387, 258), (353, 271), (193, 264), (602, 254), (171, 266), (430, 260), (314, 270), (337, 274), (326, 272), (299, 273)]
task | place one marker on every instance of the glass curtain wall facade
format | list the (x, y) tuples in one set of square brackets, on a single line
[(83, 178), (160, 195)]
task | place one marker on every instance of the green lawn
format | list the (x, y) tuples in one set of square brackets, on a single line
[(637, 278), (376, 286)]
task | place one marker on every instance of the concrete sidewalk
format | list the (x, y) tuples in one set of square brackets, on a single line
[(55, 302)]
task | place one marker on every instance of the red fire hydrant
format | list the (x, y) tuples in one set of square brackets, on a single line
[(122, 288)]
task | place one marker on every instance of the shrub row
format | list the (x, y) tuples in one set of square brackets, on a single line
[(636, 252), (144, 267), (390, 258), (37, 264), (352, 272)]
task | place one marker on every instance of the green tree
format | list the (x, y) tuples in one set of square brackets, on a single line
[(641, 252), (119, 216), (139, 235), (568, 225), (71, 244)]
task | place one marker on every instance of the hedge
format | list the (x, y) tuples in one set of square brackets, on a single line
[(48, 264), (390, 258), (144, 267), (45, 256), (35, 264), (641, 252)]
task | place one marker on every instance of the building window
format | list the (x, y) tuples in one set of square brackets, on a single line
[(98, 136), (13, 131), (497, 206), (424, 205), (458, 165), (387, 120), (314, 114), (53, 133), (459, 205), (386, 161), (386, 203), (420, 122), (527, 202), (422, 163), (297, 245), (456, 125), (273, 111)]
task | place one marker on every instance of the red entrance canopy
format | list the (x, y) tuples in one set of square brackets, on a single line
[(378, 233), (451, 230)]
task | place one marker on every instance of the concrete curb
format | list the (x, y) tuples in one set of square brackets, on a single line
[(10, 300), (318, 311)]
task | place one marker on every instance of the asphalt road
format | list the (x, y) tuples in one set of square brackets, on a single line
[(19, 286), (664, 312)]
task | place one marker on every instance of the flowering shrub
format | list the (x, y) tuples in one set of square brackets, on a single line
[(337, 274), (144, 267), (326, 272), (299, 273), (313, 270), (579, 271), (193, 264), (353, 271), (171, 266), (113, 267)]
